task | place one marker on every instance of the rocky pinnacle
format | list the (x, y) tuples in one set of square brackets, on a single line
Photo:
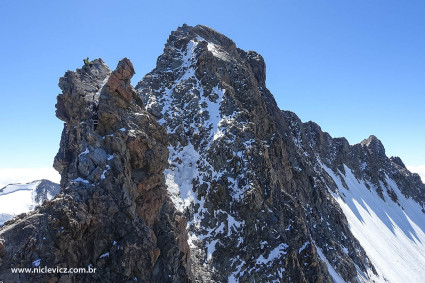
[(113, 213)]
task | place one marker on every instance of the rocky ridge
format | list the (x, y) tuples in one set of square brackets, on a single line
[(113, 213), (212, 182)]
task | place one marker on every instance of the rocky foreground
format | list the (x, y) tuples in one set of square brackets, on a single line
[(113, 213)]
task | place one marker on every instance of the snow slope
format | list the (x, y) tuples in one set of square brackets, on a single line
[(18, 198), (391, 233), (27, 175)]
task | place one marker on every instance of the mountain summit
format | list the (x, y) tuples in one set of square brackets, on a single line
[(196, 175), (262, 191)]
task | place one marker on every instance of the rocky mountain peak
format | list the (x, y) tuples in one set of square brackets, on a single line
[(374, 145), (206, 33), (258, 66), (397, 160), (119, 84), (81, 91), (233, 151), (231, 169)]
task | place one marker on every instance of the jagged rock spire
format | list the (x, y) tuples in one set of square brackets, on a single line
[(113, 213), (374, 145)]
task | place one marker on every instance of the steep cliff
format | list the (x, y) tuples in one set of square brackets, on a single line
[(113, 213), (230, 168)]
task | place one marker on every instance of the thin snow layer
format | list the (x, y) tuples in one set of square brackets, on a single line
[(216, 51), (179, 179), (276, 253), (104, 255), (189, 164), (392, 234), (97, 94), (16, 199), (36, 263), (181, 174)]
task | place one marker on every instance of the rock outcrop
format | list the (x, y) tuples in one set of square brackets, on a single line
[(113, 213)]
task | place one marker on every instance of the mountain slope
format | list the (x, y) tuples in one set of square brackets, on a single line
[(245, 192), (22, 198), (382, 200), (256, 184), (229, 168), (237, 209)]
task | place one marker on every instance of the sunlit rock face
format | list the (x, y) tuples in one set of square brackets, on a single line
[(113, 213)]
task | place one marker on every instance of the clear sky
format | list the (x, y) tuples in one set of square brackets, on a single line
[(355, 67)]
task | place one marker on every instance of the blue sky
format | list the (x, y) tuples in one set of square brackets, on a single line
[(355, 67)]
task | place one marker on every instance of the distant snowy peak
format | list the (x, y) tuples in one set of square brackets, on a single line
[(18, 187), (22, 198)]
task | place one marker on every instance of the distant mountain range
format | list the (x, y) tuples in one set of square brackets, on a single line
[(22, 198)]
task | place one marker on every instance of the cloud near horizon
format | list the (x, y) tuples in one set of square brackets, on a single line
[(418, 169), (25, 175)]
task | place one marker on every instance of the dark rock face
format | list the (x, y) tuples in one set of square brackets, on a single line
[(46, 190), (229, 161), (251, 178), (113, 213)]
